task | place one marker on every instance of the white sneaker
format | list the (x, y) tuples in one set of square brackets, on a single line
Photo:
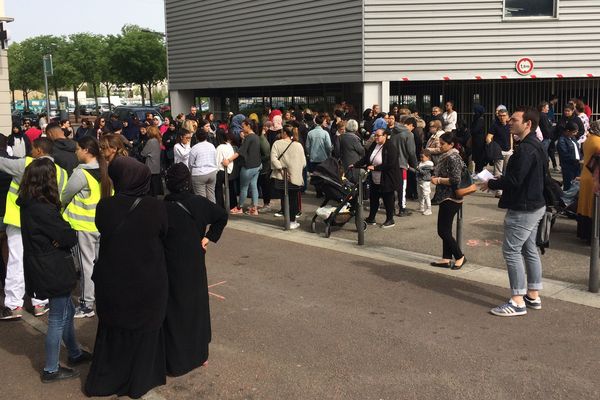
[(294, 225), (427, 212)]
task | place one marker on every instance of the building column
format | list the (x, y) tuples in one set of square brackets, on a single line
[(376, 93), (181, 101)]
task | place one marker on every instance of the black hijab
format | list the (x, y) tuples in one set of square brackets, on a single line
[(130, 177), (178, 178)]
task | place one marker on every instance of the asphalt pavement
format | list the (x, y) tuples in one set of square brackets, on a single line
[(292, 321)]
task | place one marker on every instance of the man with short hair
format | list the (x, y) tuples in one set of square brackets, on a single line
[(404, 141), (318, 146), (63, 150), (376, 109), (193, 115), (523, 197), (500, 133)]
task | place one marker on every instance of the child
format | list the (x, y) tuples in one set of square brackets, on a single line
[(569, 154), (424, 170), (48, 265)]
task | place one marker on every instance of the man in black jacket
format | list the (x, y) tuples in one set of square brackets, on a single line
[(63, 150), (523, 197)]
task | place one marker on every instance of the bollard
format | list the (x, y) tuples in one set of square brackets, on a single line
[(594, 281), (360, 222), (226, 192), (286, 201), (459, 227)]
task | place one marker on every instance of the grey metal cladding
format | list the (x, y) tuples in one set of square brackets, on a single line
[(241, 43)]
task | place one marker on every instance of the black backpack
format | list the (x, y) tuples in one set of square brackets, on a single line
[(552, 193)]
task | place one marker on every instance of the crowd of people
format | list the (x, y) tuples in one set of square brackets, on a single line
[(71, 198)]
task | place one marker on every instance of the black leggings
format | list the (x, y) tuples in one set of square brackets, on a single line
[(264, 183), (219, 189), (388, 202), (448, 209)]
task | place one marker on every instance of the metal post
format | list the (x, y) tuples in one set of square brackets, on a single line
[(286, 201), (594, 282), (48, 71), (226, 192), (47, 98), (360, 221), (459, 227)]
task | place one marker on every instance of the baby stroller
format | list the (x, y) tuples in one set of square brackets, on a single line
[(329, 179)]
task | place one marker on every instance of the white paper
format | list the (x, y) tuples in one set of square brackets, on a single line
[(484, 176)]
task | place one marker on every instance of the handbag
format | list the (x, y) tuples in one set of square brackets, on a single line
[(466, 185)]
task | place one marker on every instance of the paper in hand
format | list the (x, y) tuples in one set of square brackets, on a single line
[(484, 176)]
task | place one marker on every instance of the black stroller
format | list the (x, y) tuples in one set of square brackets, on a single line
[(329, 179)]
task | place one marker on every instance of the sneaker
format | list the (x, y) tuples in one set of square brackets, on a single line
[(7, 314), (278, 214), (421, 210), (370, 221), (252, 211), (533, 304), (294, 225), (404, 213), (388, 224), (236, 210), (40, 310), (427, 212), (84, 312), (62, 373), (83, 358), (509, 309), (266, 208), (299, 214)]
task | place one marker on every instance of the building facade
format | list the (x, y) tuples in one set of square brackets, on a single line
[(421, 53), (5, 97)]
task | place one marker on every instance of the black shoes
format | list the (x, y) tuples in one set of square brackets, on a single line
[(404, 213), (440, 264), (388, 224), (61, 374), (457, 267), (83, 358), (370, 221)]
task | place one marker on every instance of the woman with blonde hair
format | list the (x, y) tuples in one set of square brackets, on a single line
[(151, 154), (112, 145)]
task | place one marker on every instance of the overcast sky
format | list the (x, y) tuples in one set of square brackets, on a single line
[(64, 17)]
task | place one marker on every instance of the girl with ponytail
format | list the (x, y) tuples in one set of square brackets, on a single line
[(87, 185)]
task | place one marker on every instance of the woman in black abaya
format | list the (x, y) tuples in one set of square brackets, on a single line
[(130, 278), (187, 325)]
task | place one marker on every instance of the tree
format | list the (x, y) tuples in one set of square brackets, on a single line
[(109, 75), (87, 49), (139, 57)]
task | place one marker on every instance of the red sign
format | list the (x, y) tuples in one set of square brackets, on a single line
[(524, 66)]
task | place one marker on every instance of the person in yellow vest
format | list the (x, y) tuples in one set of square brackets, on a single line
[(14, 288), (86, 186)]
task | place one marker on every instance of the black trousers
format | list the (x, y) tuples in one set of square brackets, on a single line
[(388, 202), (448, 209), (294, 195), (264, 183), (219, 191)]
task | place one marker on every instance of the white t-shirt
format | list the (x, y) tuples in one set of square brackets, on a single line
[(224, 151), (450, 121), (182, 153), (376, 159)]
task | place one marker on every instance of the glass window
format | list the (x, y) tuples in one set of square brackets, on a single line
[(530, 8)]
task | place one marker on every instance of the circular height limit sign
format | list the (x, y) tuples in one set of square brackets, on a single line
[(524, 66)]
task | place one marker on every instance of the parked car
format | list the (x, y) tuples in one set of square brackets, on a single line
[(18, 116), (125, 112)]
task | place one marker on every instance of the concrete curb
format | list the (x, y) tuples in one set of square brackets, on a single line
[(559, 290)]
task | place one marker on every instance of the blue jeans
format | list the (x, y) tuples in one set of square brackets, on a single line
[(520, 251), (249, 178), (60, 326)]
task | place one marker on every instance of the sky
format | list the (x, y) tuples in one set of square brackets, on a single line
[(69, 16)]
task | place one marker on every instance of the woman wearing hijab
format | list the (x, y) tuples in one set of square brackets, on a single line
[(236, 128), (187, 337), (131, 286), (19, 142)]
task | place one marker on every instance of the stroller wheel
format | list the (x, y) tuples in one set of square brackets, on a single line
[(327, 230), (313, 226)]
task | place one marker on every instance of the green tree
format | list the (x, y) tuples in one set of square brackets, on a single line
[(139, 56), (86, 51), (109, 74)]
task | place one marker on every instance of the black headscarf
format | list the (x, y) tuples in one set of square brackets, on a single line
[(130, 177), (178, 178)]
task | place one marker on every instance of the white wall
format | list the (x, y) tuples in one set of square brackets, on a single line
[(5, 96), (181, 101), (466, 39)]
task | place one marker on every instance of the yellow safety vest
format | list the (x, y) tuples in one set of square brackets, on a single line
[(81, 211), (12, 215)]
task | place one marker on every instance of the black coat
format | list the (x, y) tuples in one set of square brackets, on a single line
[(546, 126), (390, 168), (64, 155), (523, 182), (47, 261), (130, 275), (187, 324)]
